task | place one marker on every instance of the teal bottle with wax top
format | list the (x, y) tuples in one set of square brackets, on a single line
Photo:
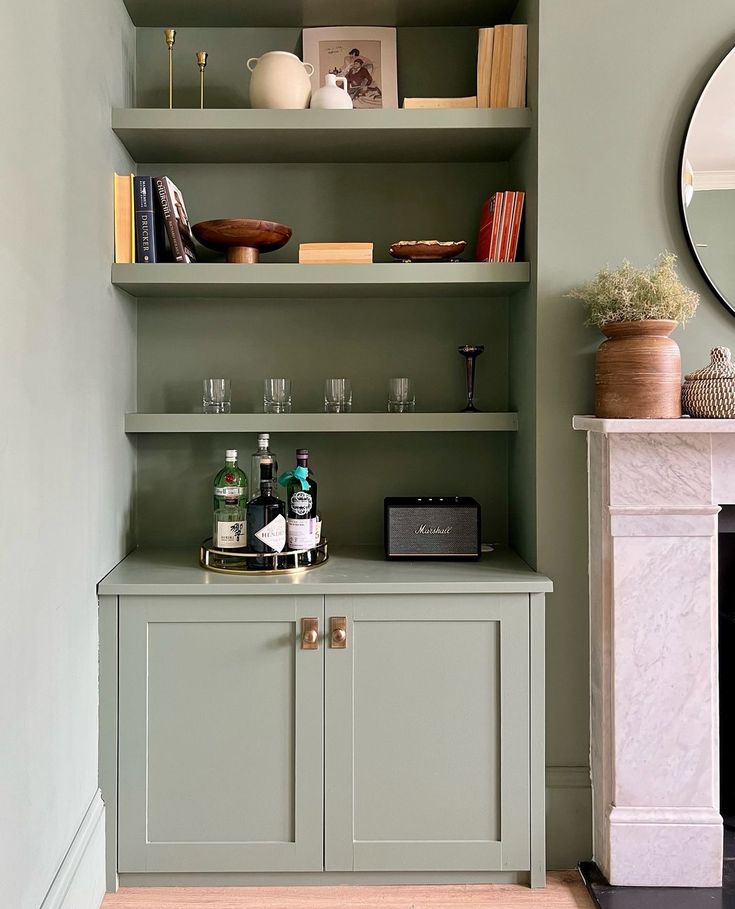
[(301, 504)]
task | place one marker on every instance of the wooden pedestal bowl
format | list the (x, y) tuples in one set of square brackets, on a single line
[(242, 239)]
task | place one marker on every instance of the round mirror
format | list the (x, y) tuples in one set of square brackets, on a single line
[(708, 181)]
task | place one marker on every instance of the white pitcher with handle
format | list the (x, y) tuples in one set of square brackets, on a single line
[(330, 96), (279, 80)]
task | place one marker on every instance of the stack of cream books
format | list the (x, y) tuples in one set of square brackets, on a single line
[(335, 253), (502, 54), (501, 66)]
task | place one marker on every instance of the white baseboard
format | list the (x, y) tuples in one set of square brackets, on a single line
[(80, 881), (568, 817)]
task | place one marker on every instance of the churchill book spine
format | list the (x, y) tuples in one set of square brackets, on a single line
[(146, 245), (168, 213)]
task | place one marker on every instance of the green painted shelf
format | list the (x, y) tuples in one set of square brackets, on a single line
[(389, 279), (321, 422), (295, 13), (323, 136)]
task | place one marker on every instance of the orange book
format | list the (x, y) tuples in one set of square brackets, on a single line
[(123, 215)]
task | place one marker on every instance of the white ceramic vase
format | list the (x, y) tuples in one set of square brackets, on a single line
[(279, 80), (330, 96)]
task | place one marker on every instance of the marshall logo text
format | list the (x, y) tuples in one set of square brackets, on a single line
[(425, 529)]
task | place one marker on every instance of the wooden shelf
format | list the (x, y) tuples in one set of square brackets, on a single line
[(296, 13), (324, 136), (391, 279), (320, 422)]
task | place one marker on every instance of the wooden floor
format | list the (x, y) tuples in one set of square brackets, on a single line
[(564, 891)]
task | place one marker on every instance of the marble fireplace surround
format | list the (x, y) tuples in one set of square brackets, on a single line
[(655, 488)]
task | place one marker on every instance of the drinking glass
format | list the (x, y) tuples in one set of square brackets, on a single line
[(401, 396), (337, 396), (276, 396), (216, 396)]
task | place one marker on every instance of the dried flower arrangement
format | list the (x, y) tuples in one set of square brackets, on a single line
[(629, 294)]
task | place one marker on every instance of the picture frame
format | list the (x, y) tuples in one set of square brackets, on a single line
[(365, 56)]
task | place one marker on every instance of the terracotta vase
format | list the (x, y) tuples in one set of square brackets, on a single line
[(638, 371)]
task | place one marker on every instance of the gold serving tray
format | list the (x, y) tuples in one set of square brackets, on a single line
[(226, 561)]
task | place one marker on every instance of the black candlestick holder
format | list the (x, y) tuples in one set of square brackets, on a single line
[(471, 352)]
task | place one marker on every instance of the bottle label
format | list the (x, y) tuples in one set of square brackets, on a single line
[(274, 534), (301, 533), (230, 535), (229, 492), (301, 503)]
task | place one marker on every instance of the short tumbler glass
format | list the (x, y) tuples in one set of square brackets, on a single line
[(216, 396), (276, 396), (337, 396), (401, 396)]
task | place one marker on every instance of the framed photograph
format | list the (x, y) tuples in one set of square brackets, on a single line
[(366, 57)]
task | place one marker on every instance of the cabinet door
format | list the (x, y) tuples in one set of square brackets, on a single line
[(427, 734), (220, 735)]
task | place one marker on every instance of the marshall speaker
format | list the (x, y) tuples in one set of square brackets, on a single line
[(432, 528)]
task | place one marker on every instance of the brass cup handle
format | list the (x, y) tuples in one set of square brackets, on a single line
[(338, 632), (310, 634)]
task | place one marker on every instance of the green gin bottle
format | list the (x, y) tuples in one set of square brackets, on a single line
[(230, 502)]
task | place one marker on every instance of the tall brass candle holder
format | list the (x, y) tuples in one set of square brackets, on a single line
[(202, 61), (170, 36)]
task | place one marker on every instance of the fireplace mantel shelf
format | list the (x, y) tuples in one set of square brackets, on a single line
[(682, 425)]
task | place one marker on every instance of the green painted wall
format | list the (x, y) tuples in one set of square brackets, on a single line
[(67, 368), (618, 82), (711, 220), (365, 339)]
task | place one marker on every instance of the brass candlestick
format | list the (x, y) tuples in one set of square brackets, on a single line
[(202, 61), (170, 35)]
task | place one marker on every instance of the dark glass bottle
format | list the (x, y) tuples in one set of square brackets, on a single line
[(266, 523), (301, 507)]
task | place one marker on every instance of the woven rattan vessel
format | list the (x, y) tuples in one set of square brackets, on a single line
[(709, 392)]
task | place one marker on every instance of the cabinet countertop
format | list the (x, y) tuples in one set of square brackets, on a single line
[(357, 570)]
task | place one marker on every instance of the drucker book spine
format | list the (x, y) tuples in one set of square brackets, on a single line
[(146, 247)]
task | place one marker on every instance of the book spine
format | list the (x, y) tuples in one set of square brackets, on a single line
[(497, 222), (500, 74), (482, 253), (146, 249), (123, 219), (516, 229), (518, 66), (510, 200), (178, 253), (484, 65)]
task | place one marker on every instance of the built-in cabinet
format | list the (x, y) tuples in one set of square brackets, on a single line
[(233, 748), (300, 730)]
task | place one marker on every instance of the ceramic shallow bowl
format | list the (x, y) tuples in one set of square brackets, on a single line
[(427, 250), (242, 239)]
